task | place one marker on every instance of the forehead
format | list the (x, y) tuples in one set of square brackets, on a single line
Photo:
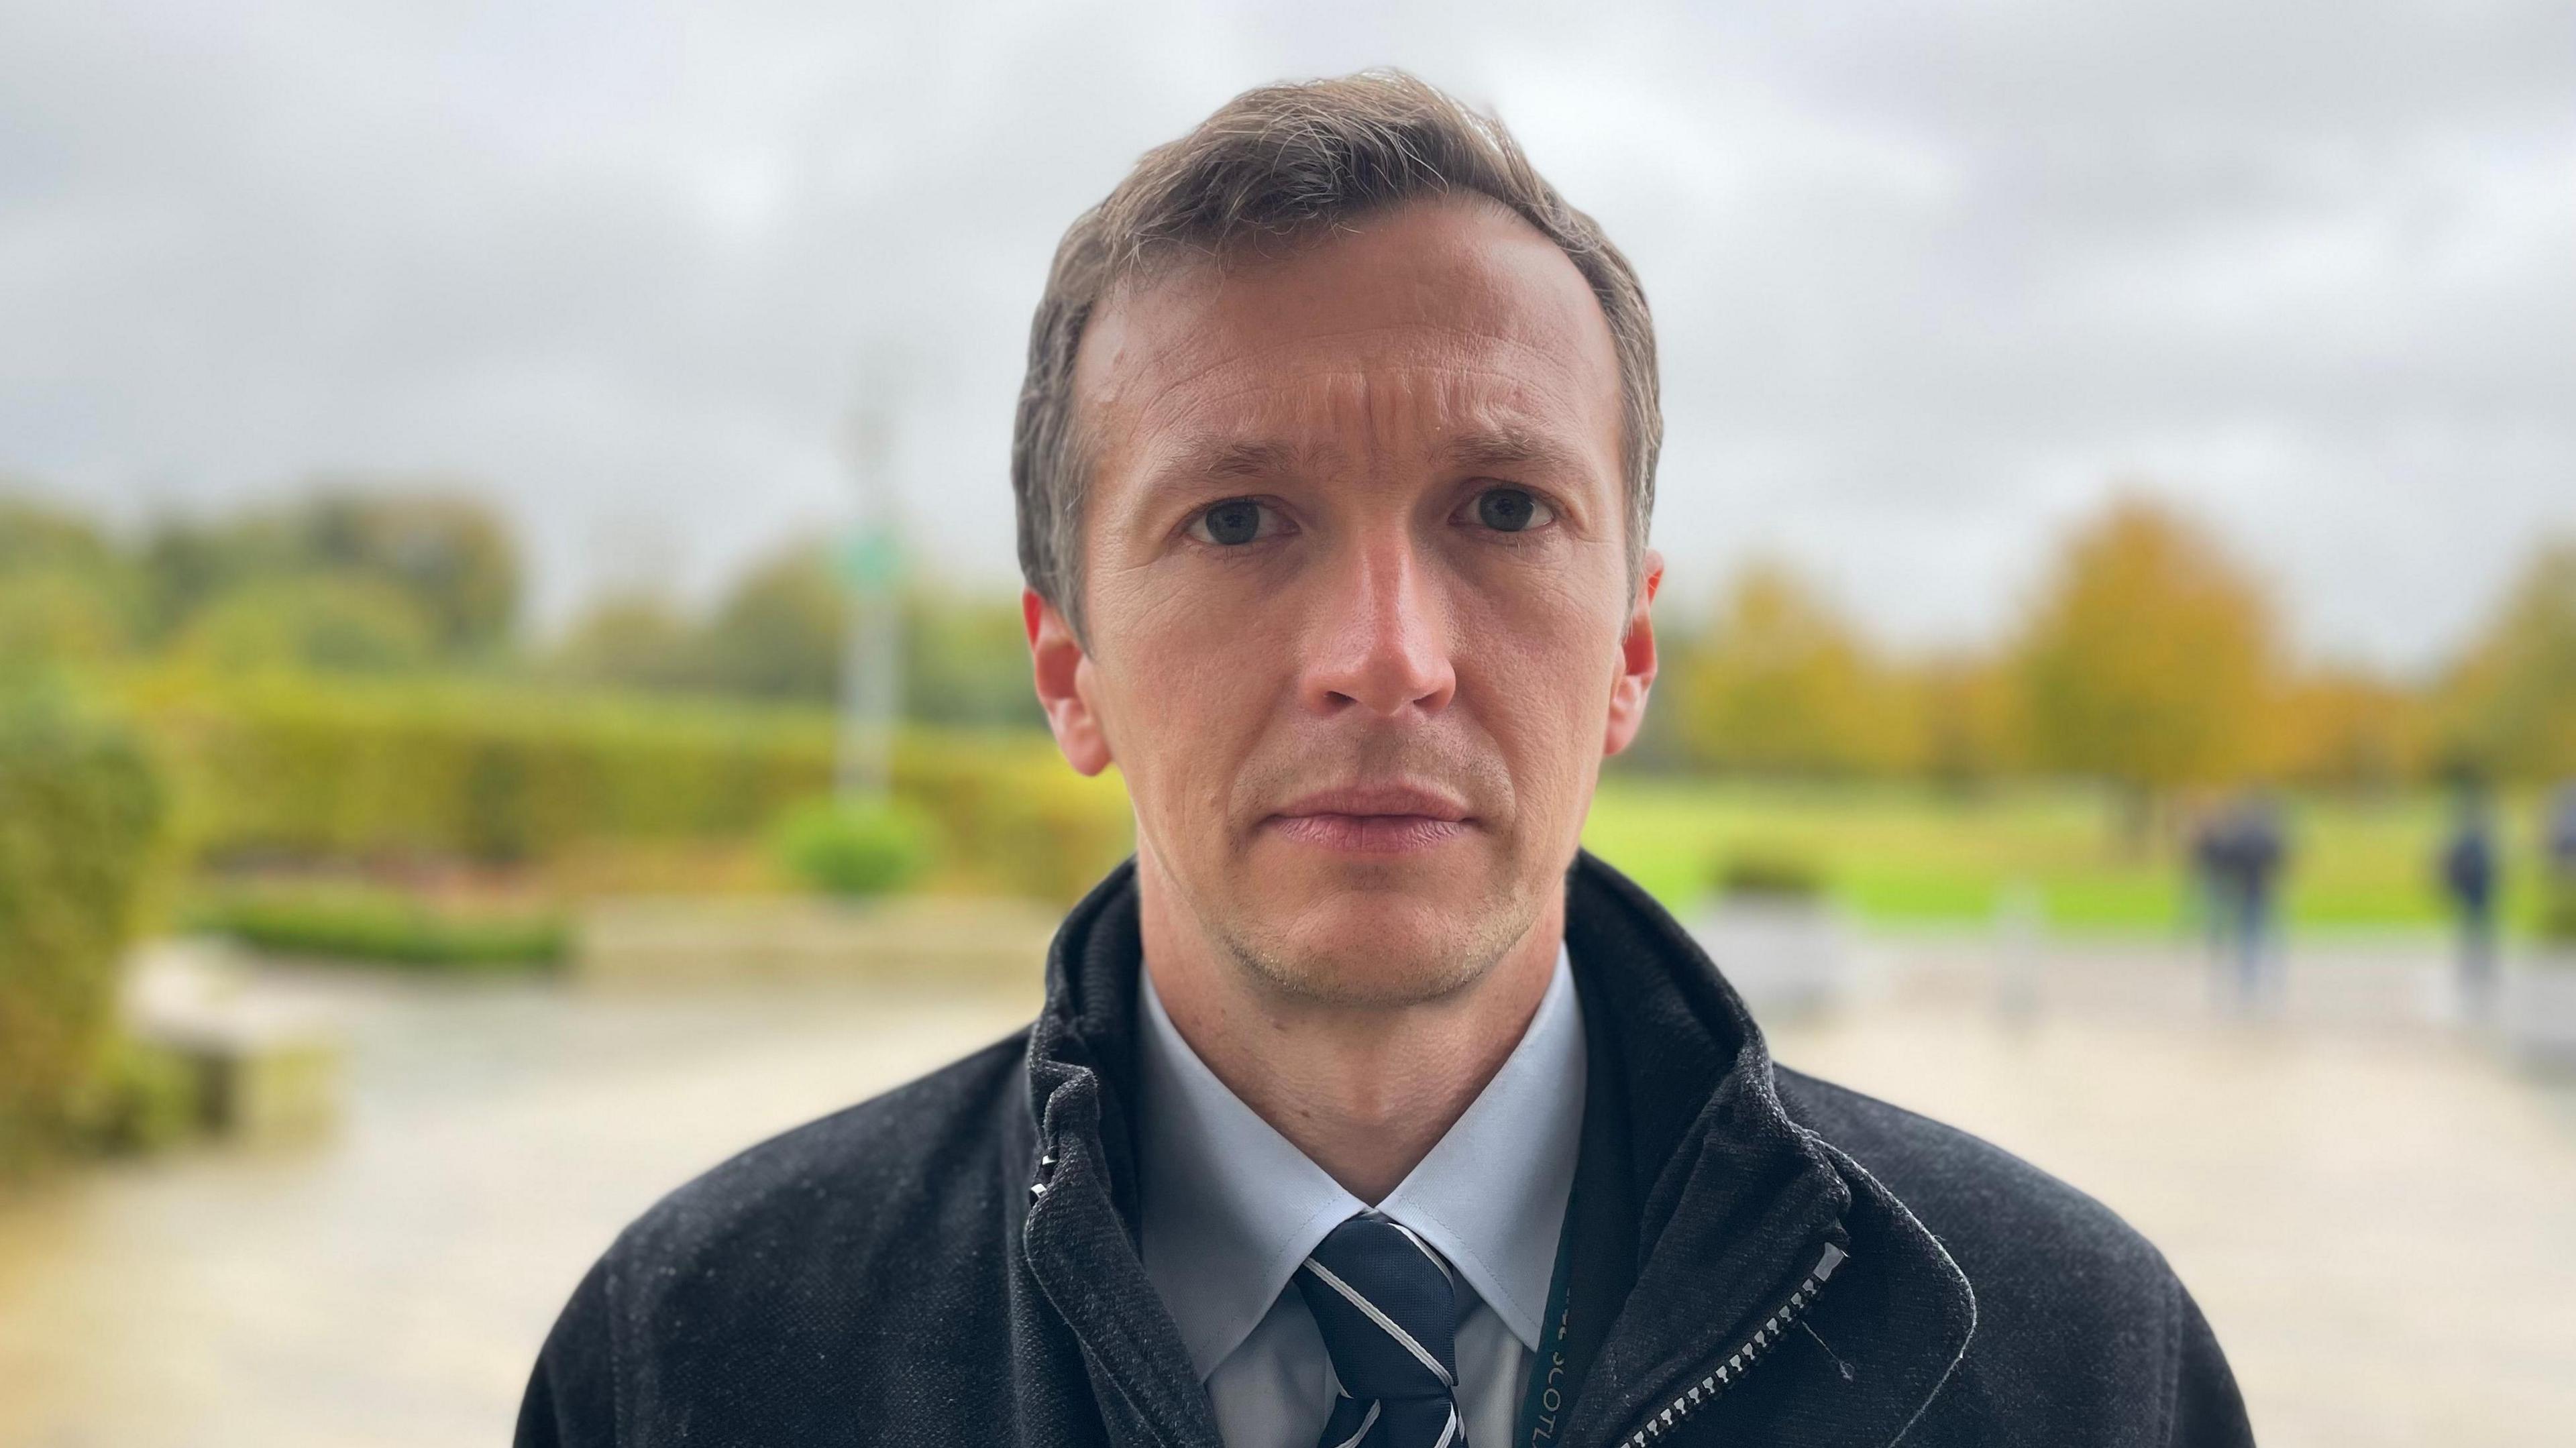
[(1442, 319)]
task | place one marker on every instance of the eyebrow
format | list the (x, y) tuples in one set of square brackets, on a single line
[(1506, 447), (1211, 460), (1510, 447)]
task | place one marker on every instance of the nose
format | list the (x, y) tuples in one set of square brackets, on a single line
[(1382, 638)]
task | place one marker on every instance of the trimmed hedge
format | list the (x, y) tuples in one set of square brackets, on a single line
[(81, 814), (300, 770), (1770, 874), (357, 922)]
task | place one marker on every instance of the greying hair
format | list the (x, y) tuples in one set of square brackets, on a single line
[(1272, 168)]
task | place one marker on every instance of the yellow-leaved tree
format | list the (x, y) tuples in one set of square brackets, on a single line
[(2348, 728), (1781, 684), (2510, 705), (2149, 661)]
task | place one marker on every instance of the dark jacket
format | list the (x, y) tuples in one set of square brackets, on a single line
[(1761, 1258)]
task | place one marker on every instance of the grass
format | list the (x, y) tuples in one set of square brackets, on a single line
[(1895, 855), (1909, 855)]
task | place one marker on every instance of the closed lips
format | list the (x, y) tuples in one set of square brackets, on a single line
[(1373, 820), (1378, 800)]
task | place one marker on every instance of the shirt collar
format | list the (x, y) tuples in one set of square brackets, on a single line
[(1230, 1207)]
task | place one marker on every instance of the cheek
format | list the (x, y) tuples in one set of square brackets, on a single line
[(1188, 683), (1540, 665)]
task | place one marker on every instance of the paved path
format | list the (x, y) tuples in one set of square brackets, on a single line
[(2375, 1216), (2373, 1210), (390, 1289)]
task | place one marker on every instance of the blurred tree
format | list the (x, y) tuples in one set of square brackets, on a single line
[(966, 660), (1964, 713), (2148, 662), (452, 555), (66, 593), (61, 615), (780, 634), (2349, 729), (452, 558), (35, 536), (631, 642), (1782, 685), (188, 564), (316, 622), (81, 817), (2509, 707)]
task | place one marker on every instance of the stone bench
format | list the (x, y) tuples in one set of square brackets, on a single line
[(267, 1069)]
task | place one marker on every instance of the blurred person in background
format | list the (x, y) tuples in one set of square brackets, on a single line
[(2558, 863), (2209, 875), (1364, 1109), (2470, 867), (2243, 854), (2558, 837)]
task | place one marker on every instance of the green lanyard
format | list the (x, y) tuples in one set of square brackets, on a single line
[(1543, 1405)]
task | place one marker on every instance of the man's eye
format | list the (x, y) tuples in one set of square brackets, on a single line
[(1511, 510), (1232, 523)]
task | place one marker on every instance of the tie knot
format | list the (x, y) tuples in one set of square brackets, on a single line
[(1387, 1307)]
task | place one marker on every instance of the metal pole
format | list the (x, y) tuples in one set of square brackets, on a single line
[(870, 567)]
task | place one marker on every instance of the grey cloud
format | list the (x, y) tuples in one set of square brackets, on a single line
[(1929, 278)]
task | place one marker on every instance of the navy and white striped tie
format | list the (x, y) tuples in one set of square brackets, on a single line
[(1388, 1309)]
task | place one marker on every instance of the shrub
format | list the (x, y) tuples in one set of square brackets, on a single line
[(140, 1097), (81, 812), (856, 850), (370, 923), (1769, 875)]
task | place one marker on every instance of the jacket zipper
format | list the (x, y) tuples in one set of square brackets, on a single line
[(1736, 1364)]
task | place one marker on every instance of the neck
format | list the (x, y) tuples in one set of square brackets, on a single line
[(1364, 1089)]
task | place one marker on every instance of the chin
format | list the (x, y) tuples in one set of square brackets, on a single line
[(1377, 946)]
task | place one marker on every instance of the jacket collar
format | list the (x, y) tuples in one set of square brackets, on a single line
[(1231, 1206), (1713, 1202)]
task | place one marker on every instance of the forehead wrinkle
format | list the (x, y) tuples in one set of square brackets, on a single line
[(1516, 382), (1445, 425), (1559, 372)]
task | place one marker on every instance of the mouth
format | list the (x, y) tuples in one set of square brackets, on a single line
[(1392, 819)]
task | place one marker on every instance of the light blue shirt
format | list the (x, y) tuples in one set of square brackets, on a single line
[(1230, 1208)]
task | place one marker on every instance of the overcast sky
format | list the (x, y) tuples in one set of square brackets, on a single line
[(1931, 280)]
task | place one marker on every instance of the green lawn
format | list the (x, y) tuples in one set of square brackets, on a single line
[(1903, 854)]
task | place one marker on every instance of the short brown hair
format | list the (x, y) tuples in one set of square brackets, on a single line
[(1274, 166)]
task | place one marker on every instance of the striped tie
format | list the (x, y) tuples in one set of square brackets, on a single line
[(1388, 1308)]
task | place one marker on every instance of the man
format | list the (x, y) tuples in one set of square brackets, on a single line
[(1364, 1110), (2471, 871), (2246, 858)]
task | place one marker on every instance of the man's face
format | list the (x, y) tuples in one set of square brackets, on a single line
[(1359, 622)]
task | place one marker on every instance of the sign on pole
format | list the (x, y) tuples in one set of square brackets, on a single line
[(870, 563)]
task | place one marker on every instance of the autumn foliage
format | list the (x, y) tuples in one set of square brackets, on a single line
[(2150, 658), (1782, 684)]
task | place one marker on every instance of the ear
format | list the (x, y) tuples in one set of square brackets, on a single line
[(1636, 661), (1064, 682)]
